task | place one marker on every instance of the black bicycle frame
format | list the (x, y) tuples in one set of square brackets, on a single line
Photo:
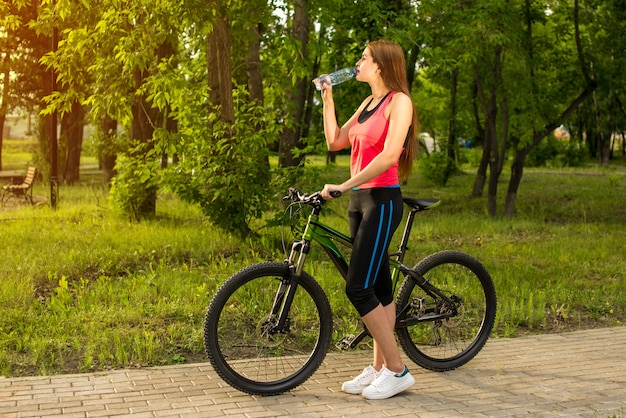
[(328, 238)]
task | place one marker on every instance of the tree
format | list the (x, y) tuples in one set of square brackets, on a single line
[(517, 83), (21, 75), (118, 51), (223, 132), (192, 95), (547, 118), (4, 98), (298, 92)]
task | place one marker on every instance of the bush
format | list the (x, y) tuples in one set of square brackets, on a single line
[(545, 151), (133, 189), (552, 152), (225, 170), (437, 167), (575, 153)]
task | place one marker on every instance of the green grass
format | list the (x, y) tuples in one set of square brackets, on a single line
[(17, 153), (83, 289)]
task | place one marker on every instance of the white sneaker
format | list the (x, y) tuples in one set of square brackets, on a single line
[(356, 385), (388, 384)]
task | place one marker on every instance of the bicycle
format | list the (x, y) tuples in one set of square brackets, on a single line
[(268, 327)]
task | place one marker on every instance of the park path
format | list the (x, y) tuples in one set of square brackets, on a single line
[(574, 374)]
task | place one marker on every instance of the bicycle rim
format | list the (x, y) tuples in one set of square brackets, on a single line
[(445, 344), (240, 336)]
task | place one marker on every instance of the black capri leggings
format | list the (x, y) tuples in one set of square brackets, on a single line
[(374, 216)]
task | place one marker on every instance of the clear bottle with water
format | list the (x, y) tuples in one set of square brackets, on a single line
[(335, 78)]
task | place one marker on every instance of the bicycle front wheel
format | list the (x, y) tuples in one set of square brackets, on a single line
[(447, 320), (244, 340)]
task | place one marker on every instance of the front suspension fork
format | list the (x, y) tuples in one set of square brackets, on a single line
[(288, 286)]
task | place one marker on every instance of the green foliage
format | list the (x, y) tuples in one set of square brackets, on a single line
[(553, 152), (225, 170), (541, 154), (575, 154), (101, 143), (134, 187), (437, 167)]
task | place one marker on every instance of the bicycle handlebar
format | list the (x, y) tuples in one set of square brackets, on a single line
[(316, 198)]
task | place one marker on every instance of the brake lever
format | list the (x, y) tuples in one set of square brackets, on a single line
[(292, 193)]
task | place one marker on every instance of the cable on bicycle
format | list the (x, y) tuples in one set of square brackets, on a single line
[(298, 198)]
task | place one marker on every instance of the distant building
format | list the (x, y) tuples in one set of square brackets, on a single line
[(18, 127)]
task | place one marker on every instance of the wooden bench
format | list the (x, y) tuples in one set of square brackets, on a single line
[(25, 189)]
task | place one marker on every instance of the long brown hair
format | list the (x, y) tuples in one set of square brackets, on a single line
[(390, 59)]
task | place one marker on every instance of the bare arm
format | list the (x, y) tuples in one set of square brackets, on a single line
[(336, 137)]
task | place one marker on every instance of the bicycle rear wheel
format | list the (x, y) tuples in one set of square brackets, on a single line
[(243, 341), (443, 333)]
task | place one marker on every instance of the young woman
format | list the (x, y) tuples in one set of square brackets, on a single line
[(382, 134)]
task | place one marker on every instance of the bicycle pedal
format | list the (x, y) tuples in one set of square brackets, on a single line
[(345, 343)]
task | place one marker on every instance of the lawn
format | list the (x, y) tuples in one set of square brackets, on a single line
[(83, 289)]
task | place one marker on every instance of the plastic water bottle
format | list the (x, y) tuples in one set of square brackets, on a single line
[(335, 78)]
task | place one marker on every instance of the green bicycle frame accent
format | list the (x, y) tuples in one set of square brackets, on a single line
[(327, 238)]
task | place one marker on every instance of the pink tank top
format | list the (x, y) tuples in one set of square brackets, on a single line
[(367, 138)]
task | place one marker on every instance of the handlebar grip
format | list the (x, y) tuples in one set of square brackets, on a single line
[(335, 194)]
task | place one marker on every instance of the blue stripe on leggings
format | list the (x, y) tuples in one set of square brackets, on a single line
[(380, 260), (369, 272)]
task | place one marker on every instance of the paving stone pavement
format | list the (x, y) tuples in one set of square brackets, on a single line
[(576, 374)]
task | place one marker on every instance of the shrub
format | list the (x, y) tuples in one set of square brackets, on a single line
[(574, 154), (557, 153), (133, 190), (545, 151), (225, 169), (437, 167)]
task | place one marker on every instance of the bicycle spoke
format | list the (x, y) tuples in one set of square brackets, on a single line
[(447, 326), (246, 345)]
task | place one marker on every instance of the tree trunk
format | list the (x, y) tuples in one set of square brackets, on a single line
[(220, 74), (452, 143), (411, 64), (253, 66), (4, 105), (481, 173), (142, 130), (504, 134), (491, 145), (255, 84), (167, 53), (601, 141), (109, 156), (72, 137), (491, 133), (518, 161), (310, 92), (219, 69), (517, 170), (292, 132)]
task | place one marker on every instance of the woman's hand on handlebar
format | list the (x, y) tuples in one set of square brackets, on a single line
[(331, 191)]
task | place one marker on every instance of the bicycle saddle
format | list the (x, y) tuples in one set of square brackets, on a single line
[(421, 204)]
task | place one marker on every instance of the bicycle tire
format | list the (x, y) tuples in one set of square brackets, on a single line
[(446, 344), (240, 349)]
